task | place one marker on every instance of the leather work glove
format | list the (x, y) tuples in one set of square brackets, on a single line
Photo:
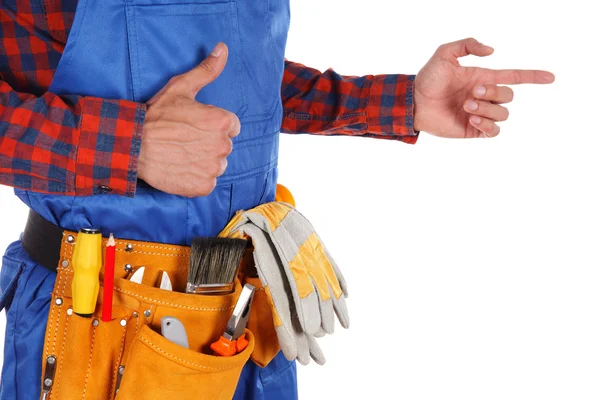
[(304, 285)]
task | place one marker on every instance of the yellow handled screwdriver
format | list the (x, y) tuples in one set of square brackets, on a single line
[(87, 261)]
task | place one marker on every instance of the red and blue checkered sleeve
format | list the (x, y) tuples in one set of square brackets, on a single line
[(71, 145), (378, 106)]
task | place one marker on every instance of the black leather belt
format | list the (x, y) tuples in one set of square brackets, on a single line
[(42, 240)]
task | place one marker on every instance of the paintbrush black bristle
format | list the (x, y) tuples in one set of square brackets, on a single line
[(215, 260)]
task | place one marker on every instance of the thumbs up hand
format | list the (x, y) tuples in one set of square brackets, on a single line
[(185, 143)]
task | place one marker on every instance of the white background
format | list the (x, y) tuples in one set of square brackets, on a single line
[(473, 265)]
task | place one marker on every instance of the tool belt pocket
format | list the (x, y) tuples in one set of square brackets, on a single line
[(126, 357), (157, 367), (86, 357)]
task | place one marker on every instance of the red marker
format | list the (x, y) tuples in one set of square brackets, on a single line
[(109, 278)]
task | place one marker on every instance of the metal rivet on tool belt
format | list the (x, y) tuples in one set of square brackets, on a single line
[(147, 313), (128, 267), (121, 370), (49, 376), (135, 314), (95, 322), (58, 302), (70, 311), (128, 247), (65, 263), (70, 238), (123, 322)]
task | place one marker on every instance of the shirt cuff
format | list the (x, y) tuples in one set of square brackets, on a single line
[(110, 138), (390, 109)]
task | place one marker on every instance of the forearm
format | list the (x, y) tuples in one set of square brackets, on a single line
[(379, 106), (70, 145)]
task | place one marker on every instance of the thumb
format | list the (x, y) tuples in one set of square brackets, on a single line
[(190, 83), (462, 48)]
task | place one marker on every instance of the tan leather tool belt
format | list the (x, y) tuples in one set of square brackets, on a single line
[(87, 358)]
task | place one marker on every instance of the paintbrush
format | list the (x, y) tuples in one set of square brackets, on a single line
[(214, 264)]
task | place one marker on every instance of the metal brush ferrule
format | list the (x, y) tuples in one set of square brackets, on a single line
[(215, 288)]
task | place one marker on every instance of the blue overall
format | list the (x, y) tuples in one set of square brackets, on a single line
[(129, 49)]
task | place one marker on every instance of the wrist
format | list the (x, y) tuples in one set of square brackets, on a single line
[(416, 121), (420, 118), (417, 112)]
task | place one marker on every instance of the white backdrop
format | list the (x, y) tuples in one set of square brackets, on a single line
[(473, 265)]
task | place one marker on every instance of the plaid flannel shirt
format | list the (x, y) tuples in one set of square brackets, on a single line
[(80, 145)]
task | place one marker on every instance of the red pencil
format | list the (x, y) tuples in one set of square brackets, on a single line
[(109, 278)]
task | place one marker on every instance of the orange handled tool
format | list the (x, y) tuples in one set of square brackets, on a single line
[(234, 339)]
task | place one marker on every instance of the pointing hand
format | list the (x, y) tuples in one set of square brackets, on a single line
[(453, 101)]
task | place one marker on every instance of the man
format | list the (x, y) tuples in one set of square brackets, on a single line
[(158, 121)]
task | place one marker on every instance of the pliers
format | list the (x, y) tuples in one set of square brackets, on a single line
[(234, 339), (165, 281)]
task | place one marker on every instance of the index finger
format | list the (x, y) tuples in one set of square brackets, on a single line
[(520, 76)]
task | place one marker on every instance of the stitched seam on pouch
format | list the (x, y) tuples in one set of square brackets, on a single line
[(53, 306), (50, 320), (182, 360), (118, 363), (64, 287), (62, 353), (154, 246), (87, 374), (153, 254), (151, 246), (173, 304)]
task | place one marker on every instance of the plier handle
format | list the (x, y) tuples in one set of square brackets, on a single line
[(234, 339)]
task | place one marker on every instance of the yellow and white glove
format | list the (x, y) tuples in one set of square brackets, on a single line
[(304, 285)]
